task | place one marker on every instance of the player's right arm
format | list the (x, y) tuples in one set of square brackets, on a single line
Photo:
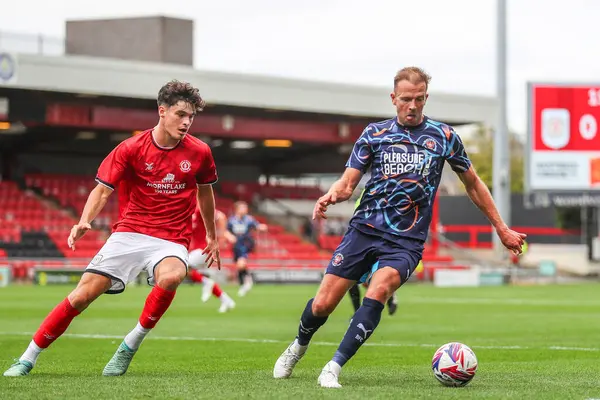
[(94, 204), (110, 173), (221, 223), (342, 189), (229, 235)]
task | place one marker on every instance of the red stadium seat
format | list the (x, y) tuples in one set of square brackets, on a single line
[(22, 211)]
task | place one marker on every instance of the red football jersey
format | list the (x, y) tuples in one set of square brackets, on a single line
[(157, 186), (199, 230)]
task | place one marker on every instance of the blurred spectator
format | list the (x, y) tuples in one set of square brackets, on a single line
[(307, 230), (256, 199), (240, 190), (335, 226)]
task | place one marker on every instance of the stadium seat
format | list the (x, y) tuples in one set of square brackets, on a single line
[(70, 193), (34, 228), (24, 221), (247, 190)]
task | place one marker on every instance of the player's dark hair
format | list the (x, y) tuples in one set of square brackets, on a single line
[(175, 91), (412, 74)]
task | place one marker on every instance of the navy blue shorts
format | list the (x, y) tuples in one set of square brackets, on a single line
[(239, 252), (359, 255), (242, 249)]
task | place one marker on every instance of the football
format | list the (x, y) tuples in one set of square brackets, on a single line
[(454, 364)]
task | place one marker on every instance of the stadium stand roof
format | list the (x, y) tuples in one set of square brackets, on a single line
[(135, 79)]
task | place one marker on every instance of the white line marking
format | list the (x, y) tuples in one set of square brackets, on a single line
[(492, 301), (247, 340), (573, 348)]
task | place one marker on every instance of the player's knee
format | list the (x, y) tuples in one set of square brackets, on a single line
[(90, 287), (81, 298), (322, 307), (172, 279), (380, 292), (169, 273)]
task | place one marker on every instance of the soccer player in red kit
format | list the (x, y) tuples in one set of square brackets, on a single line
[(196, 259), (162, 174)]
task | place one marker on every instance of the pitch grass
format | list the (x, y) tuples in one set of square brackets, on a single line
[(513, 330)]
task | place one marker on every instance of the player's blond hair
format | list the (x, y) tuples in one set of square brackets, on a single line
[(413, 75), (239, 204)]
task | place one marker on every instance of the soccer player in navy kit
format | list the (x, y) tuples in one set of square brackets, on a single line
[(405, 155), (354, 291), (240, 230)]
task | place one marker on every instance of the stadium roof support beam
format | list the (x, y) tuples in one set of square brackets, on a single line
[(110, 77)]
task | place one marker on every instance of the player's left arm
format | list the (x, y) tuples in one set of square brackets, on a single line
[(205, 178), (479, 193), (206, 204), (258, 226)]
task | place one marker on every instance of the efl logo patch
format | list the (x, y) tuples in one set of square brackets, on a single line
[(338, 259), (185, 166)]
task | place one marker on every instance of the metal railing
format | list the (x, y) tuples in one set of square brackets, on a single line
[(460, 253), (29, 43)]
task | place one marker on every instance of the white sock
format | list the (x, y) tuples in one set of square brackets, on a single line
[(207, 281), (133, 340), (32, 353), (298, 349), (224, 297)]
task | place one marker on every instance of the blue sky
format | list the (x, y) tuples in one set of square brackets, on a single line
[(366, 42)]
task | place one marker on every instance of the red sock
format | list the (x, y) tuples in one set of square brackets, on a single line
[(55, 324), (157, 303), (196, 276), (217, 290)]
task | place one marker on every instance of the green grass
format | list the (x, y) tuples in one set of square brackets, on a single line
[(194, 352)]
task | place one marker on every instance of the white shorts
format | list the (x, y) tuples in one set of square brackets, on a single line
[(126, 254), (197, 259)]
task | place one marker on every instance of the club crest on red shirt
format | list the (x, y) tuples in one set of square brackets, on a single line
[(185, 166)]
